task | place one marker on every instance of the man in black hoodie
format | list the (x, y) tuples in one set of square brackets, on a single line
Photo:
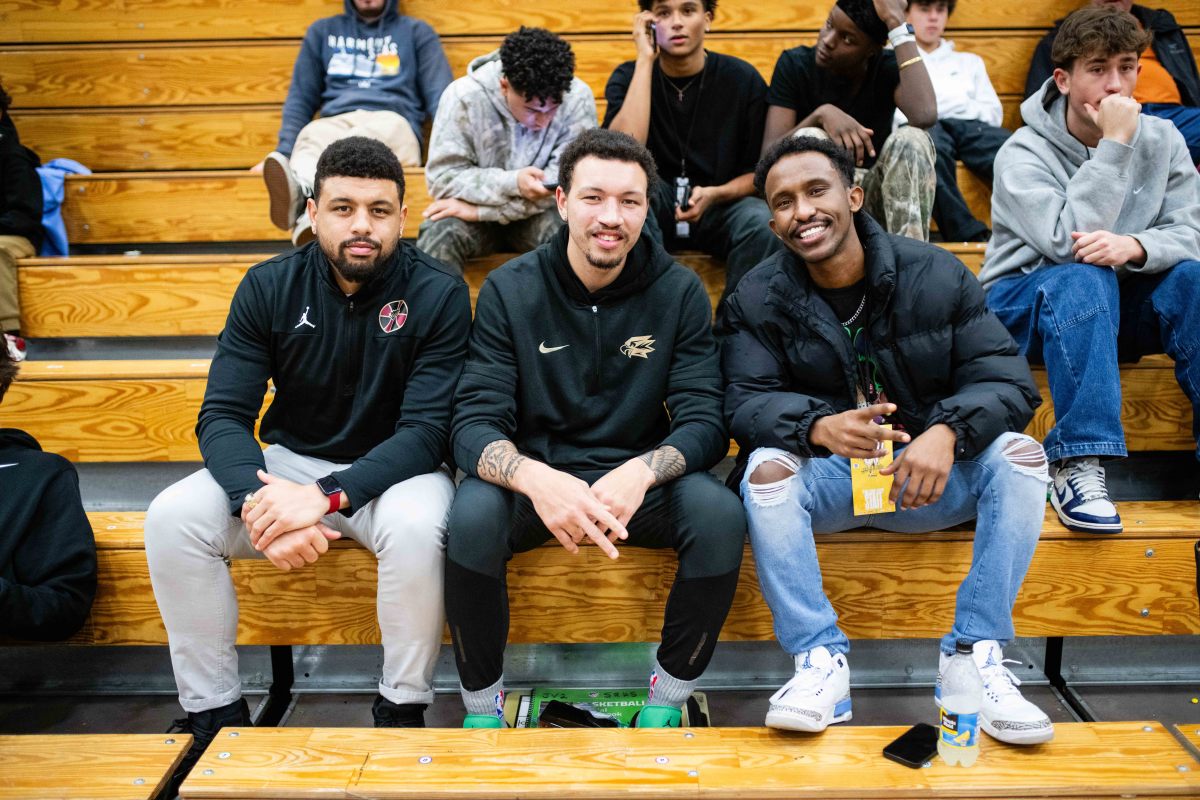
[(589, 409), (47, 553), (20, 213), (363, 337)]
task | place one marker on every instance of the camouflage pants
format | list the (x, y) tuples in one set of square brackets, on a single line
[(899, 188), (452, 241)]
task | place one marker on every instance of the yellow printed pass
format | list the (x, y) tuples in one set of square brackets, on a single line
[(871, 489)]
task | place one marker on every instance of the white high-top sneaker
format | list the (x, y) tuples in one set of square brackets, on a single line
[(1005, 714), (1080, 497), (817, 696)]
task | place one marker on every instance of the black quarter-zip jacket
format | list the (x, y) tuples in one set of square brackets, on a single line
[(585, 382), (366, 379)]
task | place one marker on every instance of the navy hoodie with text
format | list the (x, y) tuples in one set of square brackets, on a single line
[(394, 63)]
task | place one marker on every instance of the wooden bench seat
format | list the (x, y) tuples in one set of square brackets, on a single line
[(34, 21), (884, 586), (200, 105), (231, 206), (189, 295), (146, 410), (1094, 760), (88, 766)]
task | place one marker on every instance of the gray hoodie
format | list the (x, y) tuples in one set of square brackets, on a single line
[(477, 146), (1049, 184)]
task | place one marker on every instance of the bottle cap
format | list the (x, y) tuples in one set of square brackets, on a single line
[(963, 647)]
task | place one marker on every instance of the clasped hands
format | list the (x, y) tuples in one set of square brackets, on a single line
[(573, 511), (283, 520)]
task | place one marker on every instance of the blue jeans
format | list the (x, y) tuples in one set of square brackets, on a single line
[(1008, 499), (1185, 118), (1081, 322)]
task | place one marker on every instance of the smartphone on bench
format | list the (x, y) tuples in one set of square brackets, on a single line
[(914, 747)]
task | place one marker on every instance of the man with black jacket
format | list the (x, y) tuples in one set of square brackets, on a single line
[(364, 338), (589, 409), (1168, 83), (20, 214), (47, 553), (855, 337)]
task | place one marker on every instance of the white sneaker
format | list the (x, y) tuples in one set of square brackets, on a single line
[(1005, 714), (302, 231), (1080, 497), (817, 696)]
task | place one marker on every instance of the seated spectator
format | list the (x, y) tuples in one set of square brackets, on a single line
[(369, 71), (588, 411), (20, 213), (47, 553), (855, 337), (700, 114), (846, 89), (495, 146), (1096, 217), (969, 116), (1168, 85), (363, 337)]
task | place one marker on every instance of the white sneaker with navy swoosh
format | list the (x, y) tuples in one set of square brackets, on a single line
[(1005, 714), (1080, 498), (817, 696)]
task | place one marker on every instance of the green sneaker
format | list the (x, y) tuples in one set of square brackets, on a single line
[(482, 721), (658, 717)]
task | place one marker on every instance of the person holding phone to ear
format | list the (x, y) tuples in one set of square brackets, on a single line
[(666, 98)]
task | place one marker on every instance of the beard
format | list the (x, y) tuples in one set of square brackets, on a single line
[(358, 270)]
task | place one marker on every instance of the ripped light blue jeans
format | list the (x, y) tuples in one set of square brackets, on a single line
[(1004, 488)]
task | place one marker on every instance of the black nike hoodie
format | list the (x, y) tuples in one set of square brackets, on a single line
[(47, 551), (585, 382)]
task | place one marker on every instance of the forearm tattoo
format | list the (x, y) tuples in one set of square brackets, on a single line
[(666, 463), (499, 462)]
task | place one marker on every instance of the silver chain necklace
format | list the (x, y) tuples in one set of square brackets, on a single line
[(853, 317)]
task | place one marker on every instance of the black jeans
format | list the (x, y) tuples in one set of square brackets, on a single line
[(735, 232), (975, 144), (696, 515)]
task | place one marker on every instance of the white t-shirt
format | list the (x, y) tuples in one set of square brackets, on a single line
[(962, 87)]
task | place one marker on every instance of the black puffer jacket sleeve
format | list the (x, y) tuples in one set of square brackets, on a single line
[(758, 409), (994, 390)]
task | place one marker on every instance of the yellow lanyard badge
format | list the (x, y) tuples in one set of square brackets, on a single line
[(871, 490)]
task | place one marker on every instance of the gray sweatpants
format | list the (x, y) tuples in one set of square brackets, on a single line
[(190, 534)]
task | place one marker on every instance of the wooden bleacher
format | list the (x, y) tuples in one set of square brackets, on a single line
[(169, 102), (882, 585), (88, 766), (1096, 760)]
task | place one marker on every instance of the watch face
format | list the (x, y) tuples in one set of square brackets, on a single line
[(329, 485)]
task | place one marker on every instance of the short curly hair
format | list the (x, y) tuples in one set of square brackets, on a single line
[(793, 145), (862, 13), (8, 368), (609, 146), (358, 157), (709, 5), (537, 63)]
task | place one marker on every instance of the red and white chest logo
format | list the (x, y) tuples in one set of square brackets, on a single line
[(393, 316)]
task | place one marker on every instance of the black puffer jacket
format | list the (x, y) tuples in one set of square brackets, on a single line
[(943, 356), (1170, 46)]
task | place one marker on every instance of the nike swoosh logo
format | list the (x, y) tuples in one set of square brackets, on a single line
[(543, 349), (2, 466), (1143, 186)]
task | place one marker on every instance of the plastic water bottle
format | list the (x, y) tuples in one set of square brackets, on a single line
[(962, 694)]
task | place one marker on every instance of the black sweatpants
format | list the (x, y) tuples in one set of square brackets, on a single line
[(696, 515)]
